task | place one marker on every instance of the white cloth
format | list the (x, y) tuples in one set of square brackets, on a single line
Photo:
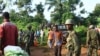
[(42, 33), (50, 43), (12, 48), (14, 51), (58, 43)]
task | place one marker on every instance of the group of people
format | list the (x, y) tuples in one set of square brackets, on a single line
[(39, 35), (9, 36), (73, 41), (28, 38), (55, 39), (25, 39)]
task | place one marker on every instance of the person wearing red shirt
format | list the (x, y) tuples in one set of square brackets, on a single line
[(8, 32), (57, 41)]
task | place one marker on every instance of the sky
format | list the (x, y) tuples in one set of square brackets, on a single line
[(46, 11), (89, 6)]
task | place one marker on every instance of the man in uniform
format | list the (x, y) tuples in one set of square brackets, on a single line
[(20, 37), (29, 38), (73, 44), (92, 41)]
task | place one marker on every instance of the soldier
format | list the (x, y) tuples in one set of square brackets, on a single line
[(92, 41), (98, 29), (29, 38), (20, 37), (73, 44), (32, 39)]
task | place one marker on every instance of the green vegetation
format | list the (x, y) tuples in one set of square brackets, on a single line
[(81, 31), (63, 9)]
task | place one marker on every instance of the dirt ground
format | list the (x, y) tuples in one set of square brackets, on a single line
[(45, 51)]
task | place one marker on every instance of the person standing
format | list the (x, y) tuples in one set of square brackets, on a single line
[(20, 33), (8, 32), (29, 38), (57, 41), (98, 29), (50, 38), (38, 35), (92, 41), (73, 44), (42, 36), (33, 37)]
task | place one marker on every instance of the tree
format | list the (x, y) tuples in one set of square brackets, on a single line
[(58, 6), (39, 9), (26, 5), (64, 9), (22, 18), (98, 20), (70, 7), (93, 17), (39, 17), (96, 12), (2, 6)]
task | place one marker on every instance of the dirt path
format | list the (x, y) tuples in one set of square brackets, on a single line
[(44, 51)]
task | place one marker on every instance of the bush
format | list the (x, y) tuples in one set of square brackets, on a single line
[(81, 31)]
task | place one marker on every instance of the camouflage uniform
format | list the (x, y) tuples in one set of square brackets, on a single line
[(28, 39), (20, 37), (73, 45), (92, 41)]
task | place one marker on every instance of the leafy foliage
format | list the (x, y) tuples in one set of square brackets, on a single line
[(64, 9), (97, 10), (22, 18), (81, 30), (2, 6)]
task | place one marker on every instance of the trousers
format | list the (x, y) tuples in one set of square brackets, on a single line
[(57, 50), (91, 50), (74, 51)]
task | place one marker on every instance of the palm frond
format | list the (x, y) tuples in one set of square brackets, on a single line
[(82, 11), (50, 7), (81, 4)]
